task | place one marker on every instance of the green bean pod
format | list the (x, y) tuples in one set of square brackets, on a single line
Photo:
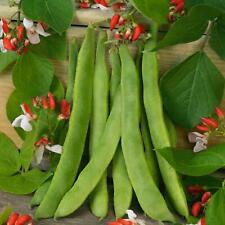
[(100, 112), (73, 148), (158, 130), (92, 173), (148, 195), (72, 65), (122, 186), (40, 194)]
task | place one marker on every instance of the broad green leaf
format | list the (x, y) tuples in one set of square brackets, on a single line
[(57, 14), (13, 108), (156, 10), (9, 156), (25, 183), (216, 208), (53, 47), (220, 4), (39, 130), (6, 59), (185, 161), (190, 27), (33, 74), (192, 90), (57, 89), (4, 215), (217, 39)]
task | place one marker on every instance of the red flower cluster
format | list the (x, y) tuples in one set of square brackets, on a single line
[(121, 222), (176, 9), (17, 219), (209, 124), (13, 39), (84, 4)]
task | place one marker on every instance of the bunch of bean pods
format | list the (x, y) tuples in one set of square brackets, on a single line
[(119, 117)]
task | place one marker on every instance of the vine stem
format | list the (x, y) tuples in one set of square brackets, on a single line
[(207, 35)]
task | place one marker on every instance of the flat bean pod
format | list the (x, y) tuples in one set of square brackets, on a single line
[(78, 126), (100, 112), (158, 130), (149, 196), (121, 183), (92, 173)]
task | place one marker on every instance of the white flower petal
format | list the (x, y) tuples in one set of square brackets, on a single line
[(131, 215), (2, 48), (38, 155), (17, 121), (25, 124), (54, 148), (199, 146), (40, 30), (33, 37), (96, 6), (28, 24), (193, 135)]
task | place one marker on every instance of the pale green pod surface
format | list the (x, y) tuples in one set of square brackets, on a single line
[(73, 147), (40, 194), (158, 130), (100, 112), (92, 173), (123, 191), (148, 194)]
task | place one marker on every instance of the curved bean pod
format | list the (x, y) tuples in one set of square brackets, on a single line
[(92, 173), (78, 126), (100, 112), (158, 130), (121, 183), (149, 196)]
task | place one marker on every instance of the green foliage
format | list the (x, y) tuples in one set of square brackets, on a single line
[(6, 59), (192, 90), (156, 10), (56, 13), (190, 27), (33, 74), (185, 161), (215, 209), (9, 160), (4, 215), (220, 4), (25, 183)]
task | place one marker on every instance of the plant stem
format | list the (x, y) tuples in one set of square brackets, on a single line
[(207, 35)]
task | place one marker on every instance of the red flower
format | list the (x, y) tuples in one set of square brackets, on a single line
[(202, 128), (23, 219), (118, 6), (205, 197), (114, 21), (5, 26), (51, 101), (114, 223), (196, 208), (194, 189), (42, 141), (65, 110), (26, 110), (219, 113), (117, 36), (137, 32), (101, 2), (13, 218), (84, 5), (20, 30), (26, 44), (8, 45), (127, 34), (44, 102), (180, 7), (210, 122), (202, 221), (125, 222)]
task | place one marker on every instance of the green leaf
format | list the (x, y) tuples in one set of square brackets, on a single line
[(9, 156), (4, 215), (53, 47), (185, 161), (33, 75), (217, 39), (25, 183), (192, 90), (216, 208), (57, 89), (56, 13), (220, 4), (191, 27), (156, 10), (6, 59)]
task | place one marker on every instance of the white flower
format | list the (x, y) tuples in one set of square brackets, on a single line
[(34, 31), (2, 48), (39, 152), (200, 140), (131, 215), (102, 7), (23, 120)]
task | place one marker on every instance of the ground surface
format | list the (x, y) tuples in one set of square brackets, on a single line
[(81, 217)]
